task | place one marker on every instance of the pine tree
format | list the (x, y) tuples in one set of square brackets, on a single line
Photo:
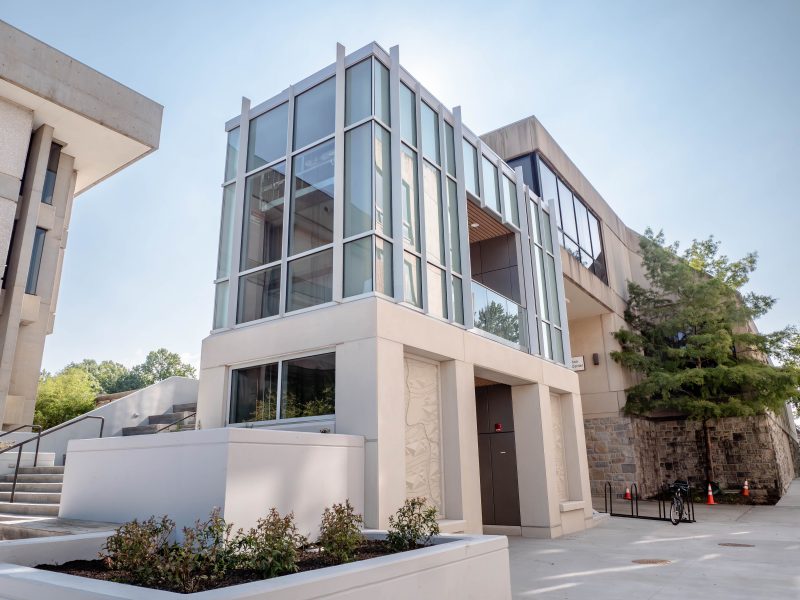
[(691, 341)]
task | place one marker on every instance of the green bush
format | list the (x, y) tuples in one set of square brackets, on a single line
[(271, 547), (412, 526), (139, 549), (340, 532)]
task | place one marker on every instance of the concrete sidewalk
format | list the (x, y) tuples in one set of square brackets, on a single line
[(598, 564)]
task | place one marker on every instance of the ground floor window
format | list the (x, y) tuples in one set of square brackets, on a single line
[(287, 389)]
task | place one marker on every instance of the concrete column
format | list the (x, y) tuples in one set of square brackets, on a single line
[(575, 449), (462, 489), (533, 434), (367, 369)]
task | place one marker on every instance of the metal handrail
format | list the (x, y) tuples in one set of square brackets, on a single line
[(39, 436), (168, 425), (18, 427)]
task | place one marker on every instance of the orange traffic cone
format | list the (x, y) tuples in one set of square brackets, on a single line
[(710, 496), (627, 495), (746, 488)]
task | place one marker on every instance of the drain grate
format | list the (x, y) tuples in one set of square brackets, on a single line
[(651, 561), (735, 545)]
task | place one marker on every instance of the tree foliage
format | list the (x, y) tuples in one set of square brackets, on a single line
[(64, 396), (690, 339), (71, 392)]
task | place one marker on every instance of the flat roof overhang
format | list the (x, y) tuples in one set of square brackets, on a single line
[(103, 124)]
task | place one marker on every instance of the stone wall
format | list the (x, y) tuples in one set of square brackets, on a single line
[(624, 450)]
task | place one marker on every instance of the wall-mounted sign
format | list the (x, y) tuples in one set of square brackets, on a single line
[(577, 363)]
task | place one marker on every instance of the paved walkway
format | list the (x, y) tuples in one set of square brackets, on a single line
[(597, 564)]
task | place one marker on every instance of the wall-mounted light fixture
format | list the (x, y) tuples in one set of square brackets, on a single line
[(595, 359)]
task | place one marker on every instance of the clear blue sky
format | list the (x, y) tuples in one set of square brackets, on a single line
[(683, 114)]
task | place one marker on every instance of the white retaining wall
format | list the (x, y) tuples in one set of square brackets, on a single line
[(244, 472)]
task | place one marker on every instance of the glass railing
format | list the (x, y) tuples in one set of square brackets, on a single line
[(499, 316)]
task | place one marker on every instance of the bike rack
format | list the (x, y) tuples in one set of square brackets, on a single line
[(663, 510)]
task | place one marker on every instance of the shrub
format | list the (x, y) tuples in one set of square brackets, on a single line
[(270, 548), (340, 532), (412, 526), (139, 549)]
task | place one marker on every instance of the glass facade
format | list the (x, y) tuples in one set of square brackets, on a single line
[(333, 215), (306, 387), (50, 174), (36, 261)]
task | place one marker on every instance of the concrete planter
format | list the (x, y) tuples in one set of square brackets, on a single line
[(463, 567)]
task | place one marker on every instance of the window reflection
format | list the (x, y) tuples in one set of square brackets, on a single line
[(312, 199), (263, 217), (314, 114)]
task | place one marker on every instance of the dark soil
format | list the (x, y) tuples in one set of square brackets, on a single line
[(309, 560)]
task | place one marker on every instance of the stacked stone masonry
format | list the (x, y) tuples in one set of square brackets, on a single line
[(624, 450)]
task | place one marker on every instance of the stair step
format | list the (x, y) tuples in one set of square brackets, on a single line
[(31, 497), (48, 488), (41, 470), (190, 407), (29, 508), (34, 478), (168, 418), (140, 429)]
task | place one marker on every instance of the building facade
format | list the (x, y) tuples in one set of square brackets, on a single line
[(383, 272), (63, 128), (599, 254)]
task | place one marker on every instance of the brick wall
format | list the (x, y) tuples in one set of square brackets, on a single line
[(626, 449)]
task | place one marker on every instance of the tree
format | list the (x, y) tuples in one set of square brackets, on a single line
[(64, 396), (109, 375), (690, 338), (157, 366)]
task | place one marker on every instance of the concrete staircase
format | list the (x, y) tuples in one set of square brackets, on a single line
[(155, 422), (38, 492)]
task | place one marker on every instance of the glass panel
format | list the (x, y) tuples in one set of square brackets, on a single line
[(314, 113), (412, 290), (458, 301), (549, 188), (572, 247), (232, 154), (567, 211), (408, 113), (450, 148), (541, 294), (510, 209), (547, 233), (410, 197), (498, 315), (434, 231), (582, 218), (547, 350), (552, 290), (594, 231), (311, 218), (254, 395), (36, 261), (263, 217), (225, 233), (382, 93), (310, 281), (558, 345), (471, 168), (383, 267), (383, 180), (535, 221), (437, 292), (220, 305), (358, 267), (358, 92), (267, 139), (491, 195), (50, 173), (358, 180), (455, 238), (259, 295), (308, 386), (430, 133)]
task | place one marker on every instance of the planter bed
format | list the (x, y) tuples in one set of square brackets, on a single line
[(464, 567)]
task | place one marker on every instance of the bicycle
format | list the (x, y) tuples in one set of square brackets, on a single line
[(680, 496)]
